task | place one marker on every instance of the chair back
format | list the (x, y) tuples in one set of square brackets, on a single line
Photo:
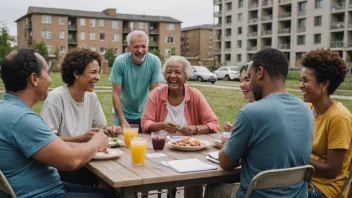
[(5, 186), (347, 182), (280, 177)]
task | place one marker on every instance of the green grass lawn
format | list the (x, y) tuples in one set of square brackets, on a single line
[(225, 103)]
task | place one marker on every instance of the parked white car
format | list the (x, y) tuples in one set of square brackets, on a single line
[(228, 73), (201, 73)]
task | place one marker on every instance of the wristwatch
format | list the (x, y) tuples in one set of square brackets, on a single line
[(197, 128)]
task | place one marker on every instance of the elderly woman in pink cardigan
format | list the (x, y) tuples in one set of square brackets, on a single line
[(176, 107)]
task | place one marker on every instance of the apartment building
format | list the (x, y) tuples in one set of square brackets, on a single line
[(65, 29), (242, 27), (197, 44)]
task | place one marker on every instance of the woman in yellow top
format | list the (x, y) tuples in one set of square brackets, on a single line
[(323, 72)]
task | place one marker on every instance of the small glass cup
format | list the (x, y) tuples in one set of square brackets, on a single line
[(158, 140), (138, 150), (130, 132)]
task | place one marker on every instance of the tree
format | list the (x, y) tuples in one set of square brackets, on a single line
[(5, 39), (41, 48), (110, 56), (157, 53)]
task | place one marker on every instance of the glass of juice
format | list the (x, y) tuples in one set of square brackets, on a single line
[(130, 132), (138, 150), (158, 140)]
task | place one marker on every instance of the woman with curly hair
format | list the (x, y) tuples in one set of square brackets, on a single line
[(73, 111), (323, 72)]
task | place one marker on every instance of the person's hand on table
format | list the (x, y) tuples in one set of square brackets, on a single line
[(114, 130), (228, 126), (223, 140), (101, 140), (188, 130), (89, 134), (171, 127)]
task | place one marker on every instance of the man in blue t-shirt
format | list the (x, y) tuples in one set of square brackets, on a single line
[(133, 75), (30, 152), (272, 133)]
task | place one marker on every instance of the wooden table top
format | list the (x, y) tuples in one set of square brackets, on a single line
[(120, 172)]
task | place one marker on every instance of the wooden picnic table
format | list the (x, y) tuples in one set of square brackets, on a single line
[(152, 175)]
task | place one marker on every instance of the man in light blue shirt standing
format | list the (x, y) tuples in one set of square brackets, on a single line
[(133, 75)]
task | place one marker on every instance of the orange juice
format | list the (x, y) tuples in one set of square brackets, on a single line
[(128, 133), (138, 150)]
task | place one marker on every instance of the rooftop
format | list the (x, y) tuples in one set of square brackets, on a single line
[(204, 26)]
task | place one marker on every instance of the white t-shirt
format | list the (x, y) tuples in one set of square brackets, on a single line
[(176, 114), (66, 117)]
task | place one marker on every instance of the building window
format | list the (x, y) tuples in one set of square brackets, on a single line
[(302, 6), (229, 6), (239, 44), (167, 52), (115, 25), (46, 19), (92, 36), (116, 51), (102, 36), (49, 49), (317, 38), (239, 30), (61, 20), (140, 25), (46, 34), (299, 55), (239, 17), (102, 49), (62, 48), (62, 34), (83, 22), (239, 57), (101, 23), (240, 3), (318, 3), (302, 23), (317, 21), (92, 23), (170, 26), (83, 36), (93, 49), (115, 37), (169, 39), (301, 40)]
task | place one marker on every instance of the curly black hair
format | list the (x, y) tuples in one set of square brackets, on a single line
[(76, 61), (17, 66), (327, 66), (274, 62)]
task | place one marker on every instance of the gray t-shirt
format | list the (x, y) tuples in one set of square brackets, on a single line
[(65, 117)]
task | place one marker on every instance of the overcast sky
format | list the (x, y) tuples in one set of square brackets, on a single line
[(190, 12)]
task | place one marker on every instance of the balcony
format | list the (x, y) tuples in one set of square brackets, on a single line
[(252, 48), (72, 27), (267, 3), (217, 50), (218, 25), (127, 30), (267, 32), (267, 18), (217, 14), (228, 24), (227, 37), (29, 26), (350, 24), (254, 20), (284, 46), (337, 25), (285, 31), (72, 41), (350, 4), (336, 44), (349, 43), (284, 15), (227, 50), (337, 6), (301, 29), (253, 6), (302, 13), (284, 1), (252, 34), (153, 31), (266, 46), (124, 42), (153, 43), (217, 1)]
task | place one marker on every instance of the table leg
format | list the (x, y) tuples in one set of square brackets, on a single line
[(127, 192)]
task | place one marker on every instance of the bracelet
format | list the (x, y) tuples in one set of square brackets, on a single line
[(197, 128)]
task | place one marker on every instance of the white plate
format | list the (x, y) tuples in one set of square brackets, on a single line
[(115, 142), (112, 153), (189, 148)]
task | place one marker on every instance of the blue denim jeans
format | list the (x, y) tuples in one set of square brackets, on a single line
[(315, 192), (81, 191)]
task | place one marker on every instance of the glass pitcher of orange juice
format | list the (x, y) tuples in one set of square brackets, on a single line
[(130, 132), (138, 150)]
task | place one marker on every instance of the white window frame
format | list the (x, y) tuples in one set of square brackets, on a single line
[(82, 36), (169, 40), (170, 26), (115, 37), (115, 25), (46, 19), (101, 23), (62, 35), (48, 47), (82, 21), (167, 51), (46, 34), (92, 36), (140, 25), (62, 48), (116, 51), (102, 51), (102, 33), (92, 22), (61, 20)]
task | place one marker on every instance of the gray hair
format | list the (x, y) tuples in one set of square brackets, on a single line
[(136, 33), (181, 59)]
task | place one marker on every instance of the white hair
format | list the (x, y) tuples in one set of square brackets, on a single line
[(181, 59), (136, 33)]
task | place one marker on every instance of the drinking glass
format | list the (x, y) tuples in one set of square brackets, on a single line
[(158, 140), (138, 150), (130, 132)]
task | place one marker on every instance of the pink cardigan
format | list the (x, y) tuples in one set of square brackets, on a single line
[(197, 109)]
